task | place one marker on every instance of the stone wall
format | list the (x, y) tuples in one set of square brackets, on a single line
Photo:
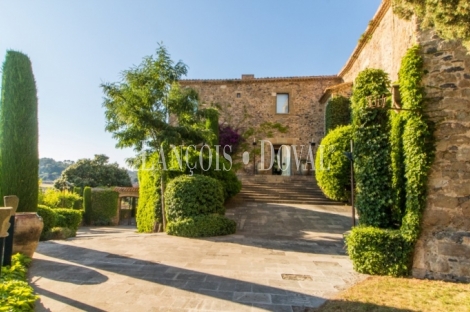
[(443, 250), (384, 43), (249, 102)]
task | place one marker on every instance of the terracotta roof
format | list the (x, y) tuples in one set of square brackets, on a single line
[(333, 89), (121, 189), (264, 79), (384, 6)]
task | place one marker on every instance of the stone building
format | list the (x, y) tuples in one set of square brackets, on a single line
[(443, 249)]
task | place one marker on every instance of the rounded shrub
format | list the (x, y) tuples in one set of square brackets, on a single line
[(188, 196), (69, 218), (202, 226), (333, 169)]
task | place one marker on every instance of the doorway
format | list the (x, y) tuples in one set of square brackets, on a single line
[(282, 160)]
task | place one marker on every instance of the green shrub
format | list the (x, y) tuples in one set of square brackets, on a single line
[(389, 252), (87, 204), (19, 161), (104, 206), (54, 198), (15, 293), (372, 149), (202, 226), (61, 233), (68, 218), (49, 218), (338, 113), (149, 208), (189, 196), (379, 251), (333, 169), (228, 179)]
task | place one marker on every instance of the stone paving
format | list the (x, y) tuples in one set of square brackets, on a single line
[(282, 258)]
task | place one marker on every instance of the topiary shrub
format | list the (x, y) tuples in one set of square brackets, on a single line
[(87, 204), (337, 113), (333, 171), (68, 218), (372, 168), (390, 252), (104, 206), (189, 196), (49, 218), (19, 161), (149, 208), (202, 226), (61, 233), (379, 251)]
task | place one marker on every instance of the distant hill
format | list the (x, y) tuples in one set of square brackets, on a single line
[(50, 169)]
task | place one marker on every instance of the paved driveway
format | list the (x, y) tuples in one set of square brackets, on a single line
[(283, 258)]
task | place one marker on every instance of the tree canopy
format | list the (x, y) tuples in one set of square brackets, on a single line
[(148, 108), (93, 172)]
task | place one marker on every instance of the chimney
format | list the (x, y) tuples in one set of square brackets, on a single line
[(248, 76)]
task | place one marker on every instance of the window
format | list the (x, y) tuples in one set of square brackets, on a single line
[(239, 95), (282, 103)]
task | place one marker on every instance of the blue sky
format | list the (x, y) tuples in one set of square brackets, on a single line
[(76, 45)]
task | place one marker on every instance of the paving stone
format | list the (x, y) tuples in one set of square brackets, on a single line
[(112, 269)]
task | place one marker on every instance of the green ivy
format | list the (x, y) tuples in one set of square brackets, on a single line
[(450, 18), (389, 252), (372, 149), (149, 208), (338, 113), (333, 169)]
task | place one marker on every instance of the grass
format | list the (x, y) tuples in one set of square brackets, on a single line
[(382, 293)]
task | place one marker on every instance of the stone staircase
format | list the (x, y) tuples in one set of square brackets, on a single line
[(281, 189)]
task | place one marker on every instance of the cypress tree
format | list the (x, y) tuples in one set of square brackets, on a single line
[(19, 160)]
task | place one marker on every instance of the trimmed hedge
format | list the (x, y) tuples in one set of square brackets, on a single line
[(189, 196), (68, 218), (338, 113), (149, 208), (379, 251), (372, 167), (49, 218), (202, 226), (333, 172), (19, 161), (57, 218), (87, 204), (104, 206)]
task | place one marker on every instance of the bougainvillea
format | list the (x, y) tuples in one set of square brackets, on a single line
[(229, 136)]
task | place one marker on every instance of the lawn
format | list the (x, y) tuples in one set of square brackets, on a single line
[(379, 293)]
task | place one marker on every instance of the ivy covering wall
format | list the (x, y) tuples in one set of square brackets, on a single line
[(372, 149), (450, 18), (388, 249), (338, 113)]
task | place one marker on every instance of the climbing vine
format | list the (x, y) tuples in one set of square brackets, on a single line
[(450, 18), (376, 250), (338, 113), (372, 149)]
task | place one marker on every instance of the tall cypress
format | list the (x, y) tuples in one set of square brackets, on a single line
[(19, 132)]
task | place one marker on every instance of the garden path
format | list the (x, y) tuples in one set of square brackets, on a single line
[(283, 258)]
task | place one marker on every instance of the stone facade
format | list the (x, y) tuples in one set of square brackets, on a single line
[(249, 102), (443, 250), (384, 43)]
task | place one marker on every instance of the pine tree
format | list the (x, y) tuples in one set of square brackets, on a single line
[(19, 132)]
